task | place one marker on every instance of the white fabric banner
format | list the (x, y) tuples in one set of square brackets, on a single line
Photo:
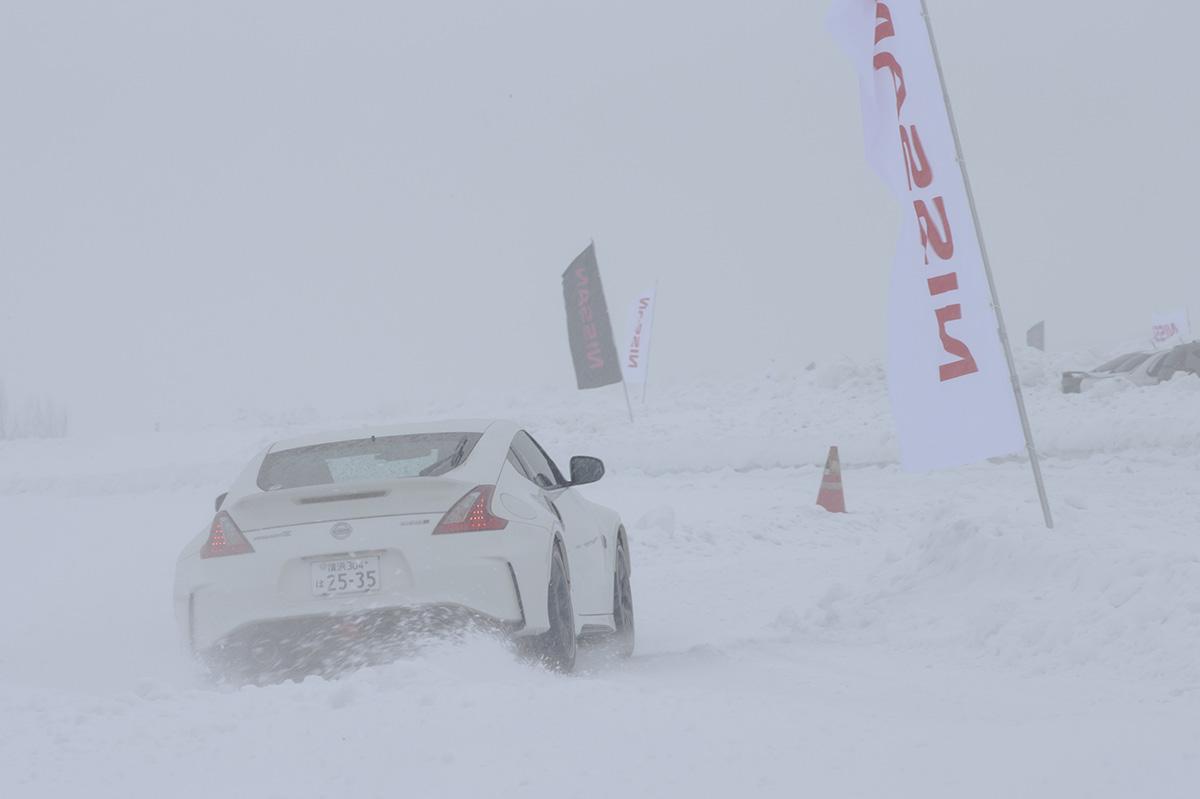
[(635, 357), (1170, 329), (949, 381)]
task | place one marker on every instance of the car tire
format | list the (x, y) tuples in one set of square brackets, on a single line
[(556, 648), (624, 634), (618, 642)]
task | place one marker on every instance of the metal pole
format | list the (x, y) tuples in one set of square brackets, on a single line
[(987, 268), (628, 404), (653, 316)]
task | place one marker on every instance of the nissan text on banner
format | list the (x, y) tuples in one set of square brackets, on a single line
[(1170, 329), (588, 327), (951, 390), (635, 357)]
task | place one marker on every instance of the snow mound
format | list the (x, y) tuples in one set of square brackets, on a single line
[(1083, 596)]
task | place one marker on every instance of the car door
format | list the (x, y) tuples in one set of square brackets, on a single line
[(586, 543)]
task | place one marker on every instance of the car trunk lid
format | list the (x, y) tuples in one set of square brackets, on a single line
[(346, 501)]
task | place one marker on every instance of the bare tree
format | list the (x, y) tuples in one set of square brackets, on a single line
[(40, 417)]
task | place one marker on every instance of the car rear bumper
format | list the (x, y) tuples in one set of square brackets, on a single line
[(500, 577)]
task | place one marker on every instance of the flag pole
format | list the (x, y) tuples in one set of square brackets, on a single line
[(653, 316), (987, 268)]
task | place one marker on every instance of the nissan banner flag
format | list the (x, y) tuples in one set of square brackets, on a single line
[(588, 327), (1171, 329), (947, 373), (636, 353)]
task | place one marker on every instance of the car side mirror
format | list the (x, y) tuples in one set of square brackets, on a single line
[(586, 470), (221, 500)]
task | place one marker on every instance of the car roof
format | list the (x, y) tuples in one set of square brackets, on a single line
[(382, 431)]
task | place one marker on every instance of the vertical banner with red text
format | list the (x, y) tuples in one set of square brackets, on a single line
[(589, 330), (1170, 329), (635, 354), (948, 376)]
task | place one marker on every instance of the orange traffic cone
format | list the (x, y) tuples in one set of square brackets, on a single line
[(831, 497)]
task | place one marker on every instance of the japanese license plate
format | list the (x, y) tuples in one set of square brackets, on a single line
[(345, 576)]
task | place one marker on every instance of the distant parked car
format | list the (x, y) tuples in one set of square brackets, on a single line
[(1139, 368)]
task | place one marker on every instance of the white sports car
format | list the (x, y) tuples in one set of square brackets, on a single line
[(329, 542)]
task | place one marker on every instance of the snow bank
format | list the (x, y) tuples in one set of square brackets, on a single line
[(1089, 596)]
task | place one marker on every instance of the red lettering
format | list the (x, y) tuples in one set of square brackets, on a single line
[(934, 233), (884, 27), (965, 365), (922, 173), (943, 284), (888, 61), (943, 246)]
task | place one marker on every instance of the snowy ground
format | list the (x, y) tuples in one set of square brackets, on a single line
[(936, 641)]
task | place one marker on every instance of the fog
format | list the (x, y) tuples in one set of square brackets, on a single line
[(207, 206), (227, 223)]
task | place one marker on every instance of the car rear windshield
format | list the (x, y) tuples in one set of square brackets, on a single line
[(383, 458)]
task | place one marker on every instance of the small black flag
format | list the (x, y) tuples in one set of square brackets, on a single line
[(1036, 337), (588, 326)]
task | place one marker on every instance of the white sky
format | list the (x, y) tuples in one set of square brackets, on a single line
[(214, 204)]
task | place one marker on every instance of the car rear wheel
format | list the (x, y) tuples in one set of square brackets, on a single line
[(556, 648)]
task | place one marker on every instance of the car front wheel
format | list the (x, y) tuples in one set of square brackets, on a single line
[(624, 634)]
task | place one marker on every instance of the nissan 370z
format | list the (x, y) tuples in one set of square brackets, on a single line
[(331, 550)]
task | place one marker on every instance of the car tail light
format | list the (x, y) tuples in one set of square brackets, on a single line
[(472, 514), (224, 538)]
